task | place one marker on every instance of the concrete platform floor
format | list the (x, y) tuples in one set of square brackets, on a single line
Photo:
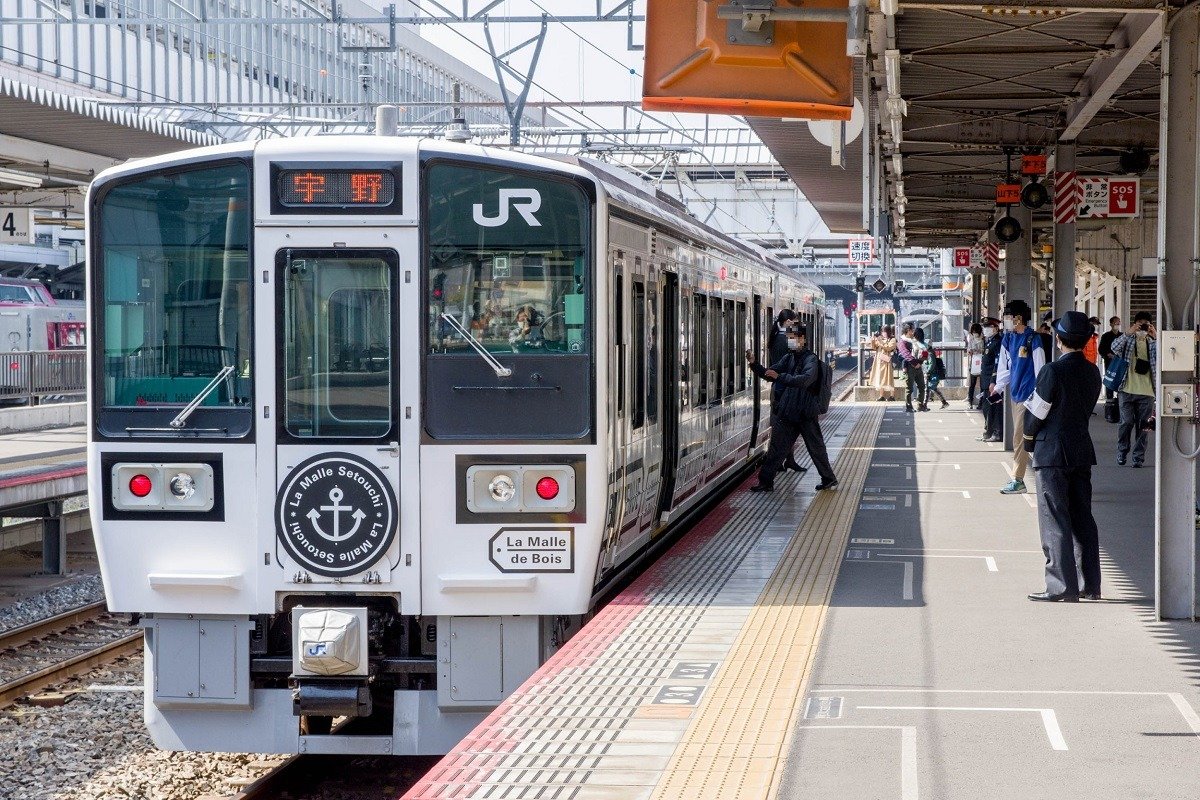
[(937, 678)]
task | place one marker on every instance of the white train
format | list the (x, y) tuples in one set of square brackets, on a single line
[(373, 422)]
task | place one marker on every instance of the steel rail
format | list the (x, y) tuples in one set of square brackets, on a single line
[(36, 630), (69, 668)]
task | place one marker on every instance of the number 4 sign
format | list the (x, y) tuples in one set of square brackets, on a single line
[(15, 224)]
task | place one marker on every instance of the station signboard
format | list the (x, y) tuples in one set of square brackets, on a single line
[(968, 257), (1108, 197), (16, 225), (861, 251)]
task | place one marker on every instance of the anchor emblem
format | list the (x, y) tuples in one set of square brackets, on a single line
[(335, 496)]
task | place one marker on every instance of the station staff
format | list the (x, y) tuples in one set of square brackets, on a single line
[(1021, 359), (1056, 432)]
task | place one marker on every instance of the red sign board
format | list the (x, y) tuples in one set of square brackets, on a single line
[(1033, 165), (1008, 194), (1122, 197)]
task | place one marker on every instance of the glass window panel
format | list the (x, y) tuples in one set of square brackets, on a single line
[(175, 276), (337, 346)]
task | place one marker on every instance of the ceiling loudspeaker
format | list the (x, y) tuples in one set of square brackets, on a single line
[(1034, 196), (1135, 161), (1007, 229)]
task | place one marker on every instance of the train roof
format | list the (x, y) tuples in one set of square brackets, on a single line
[(623, 186)]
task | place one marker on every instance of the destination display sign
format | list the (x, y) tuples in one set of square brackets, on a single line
[(335, 189)]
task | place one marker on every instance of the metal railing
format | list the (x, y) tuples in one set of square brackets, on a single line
[(954, 356), (35, 375)]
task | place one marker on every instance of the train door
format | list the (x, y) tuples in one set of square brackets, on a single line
[(756, 383), (671, 405), (337, 416)]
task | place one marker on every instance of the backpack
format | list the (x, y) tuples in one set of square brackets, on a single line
[(824, 386)]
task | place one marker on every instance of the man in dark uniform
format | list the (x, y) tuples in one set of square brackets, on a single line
[(794, 411), (1056, 433), (777, 348), (993, 413)]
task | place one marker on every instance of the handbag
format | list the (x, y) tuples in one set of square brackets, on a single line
[(1141, 366), (976, 363), (1112, 412), (1114, 376)]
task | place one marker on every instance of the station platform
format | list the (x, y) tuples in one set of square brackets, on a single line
[(872, 642)]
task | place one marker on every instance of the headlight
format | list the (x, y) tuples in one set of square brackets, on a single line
[(502, 488), (183, 486)]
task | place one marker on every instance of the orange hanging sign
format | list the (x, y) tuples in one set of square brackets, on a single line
[(1033, 165), (1008, 194)]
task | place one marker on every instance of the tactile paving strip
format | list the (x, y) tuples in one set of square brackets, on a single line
[(602, 718), (733, 746)]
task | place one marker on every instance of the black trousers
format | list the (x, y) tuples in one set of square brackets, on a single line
[(1070, 538), (783, 439), (790, 459), (971, 390)]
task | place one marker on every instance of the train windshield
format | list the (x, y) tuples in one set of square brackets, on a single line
[(173, 286), (506, 261)]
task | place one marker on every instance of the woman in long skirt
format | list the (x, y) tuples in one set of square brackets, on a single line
[(882, 376)]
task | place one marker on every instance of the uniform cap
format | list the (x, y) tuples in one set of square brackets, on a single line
[(1073, 323)]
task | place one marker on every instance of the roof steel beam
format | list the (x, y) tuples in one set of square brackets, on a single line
[(1136, 38)]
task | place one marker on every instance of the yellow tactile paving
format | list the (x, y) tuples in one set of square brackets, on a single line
[(734, 743)]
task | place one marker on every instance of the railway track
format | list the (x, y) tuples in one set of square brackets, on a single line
[(50, 651)]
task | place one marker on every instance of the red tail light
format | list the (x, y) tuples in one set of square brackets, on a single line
[(140, 485), (547, 488)]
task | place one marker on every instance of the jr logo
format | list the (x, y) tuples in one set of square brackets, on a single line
[(525, 201)]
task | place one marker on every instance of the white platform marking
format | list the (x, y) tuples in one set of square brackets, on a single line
[(1049, 720), (988, 561), (908, 751), (1189, 713)]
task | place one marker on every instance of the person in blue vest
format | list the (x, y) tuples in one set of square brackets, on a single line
[(1021, 359), (1056, 433)]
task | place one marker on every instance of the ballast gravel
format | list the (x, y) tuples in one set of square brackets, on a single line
[(85, 589), (95, 747)]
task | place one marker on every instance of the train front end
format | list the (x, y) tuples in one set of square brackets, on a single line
[(344, 450)]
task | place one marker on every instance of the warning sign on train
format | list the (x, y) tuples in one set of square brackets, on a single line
[(336, 515), (534, 550)]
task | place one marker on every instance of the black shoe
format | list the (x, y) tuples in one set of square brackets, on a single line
[(1120, 461), (1046, 597), (909, 409), (923, 408), (832, 483), (1138, 464), (794, 467), (1089, 596), (945, 404), (760, 487)]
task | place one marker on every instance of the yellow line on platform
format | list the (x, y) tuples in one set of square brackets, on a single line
[(733, 748)]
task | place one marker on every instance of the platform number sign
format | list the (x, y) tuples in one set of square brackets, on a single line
[(14, 225), (861, 251)]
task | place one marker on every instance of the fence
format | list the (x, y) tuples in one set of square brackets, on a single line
[(954, 356), (33, 375)]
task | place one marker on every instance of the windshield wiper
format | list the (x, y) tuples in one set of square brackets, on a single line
[(500, 370), (182, 417)]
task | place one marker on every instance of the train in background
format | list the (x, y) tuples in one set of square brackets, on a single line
[(33, 319), (374, 422)]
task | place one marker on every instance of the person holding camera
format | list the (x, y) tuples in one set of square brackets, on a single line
[(1139, 347)]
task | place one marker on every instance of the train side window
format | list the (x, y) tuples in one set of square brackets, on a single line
[(768, 331), (652, 355), (742, 335), (619, 337), (700, 360), (686, 350), (714, 349), (638, 318)]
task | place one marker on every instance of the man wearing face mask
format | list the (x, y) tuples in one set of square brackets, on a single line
[(1139, 348), (794, 411), (993, 413), (1021, 359)]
